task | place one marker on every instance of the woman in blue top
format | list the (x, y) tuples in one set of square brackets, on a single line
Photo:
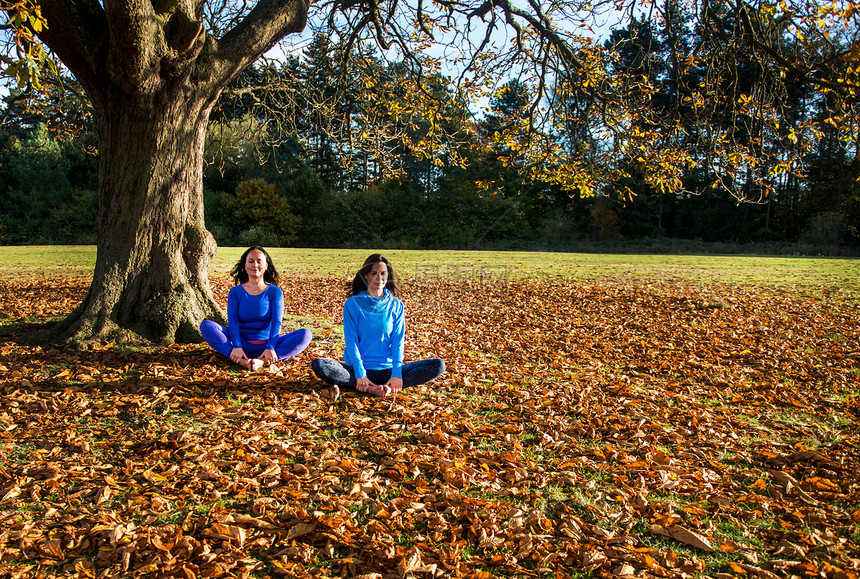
[(373, 332), (255, 310)]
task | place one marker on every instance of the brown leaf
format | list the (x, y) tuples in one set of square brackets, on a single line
[(758, 572), (85, 568), (239, 534), (103, 495), (570, 411), (593, 559), (300, 529), (685, 536), (51, 549), (410, 562), (243, 519), (10, 494)]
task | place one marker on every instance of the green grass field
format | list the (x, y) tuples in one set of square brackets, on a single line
[(830, 274), (601, 415)]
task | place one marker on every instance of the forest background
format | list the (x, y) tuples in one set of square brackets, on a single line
[(272, 185)]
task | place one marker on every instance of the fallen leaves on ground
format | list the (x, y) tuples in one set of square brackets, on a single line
[(620, 429)]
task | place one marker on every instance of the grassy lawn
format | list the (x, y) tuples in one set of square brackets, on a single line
[(829, 274), (601, 416)]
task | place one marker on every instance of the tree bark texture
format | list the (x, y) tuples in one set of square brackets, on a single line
[(153, 74), (151, 273)]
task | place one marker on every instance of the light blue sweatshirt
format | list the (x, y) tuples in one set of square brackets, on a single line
[(374, 330)]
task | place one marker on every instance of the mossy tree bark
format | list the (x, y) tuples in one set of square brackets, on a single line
[(153, 73), (151, 274)]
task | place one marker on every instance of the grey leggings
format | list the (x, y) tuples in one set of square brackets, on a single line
[(414, 373)]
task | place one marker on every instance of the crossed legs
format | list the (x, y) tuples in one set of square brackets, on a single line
[(342, 375), (286, 346)]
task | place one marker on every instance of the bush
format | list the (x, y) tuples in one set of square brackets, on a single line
[(47, 190), (74, 220), (223, 235), (259, 236), (259, 205), (605, 223), (824, 229), (765, 234)]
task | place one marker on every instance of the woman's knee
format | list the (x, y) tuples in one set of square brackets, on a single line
[(211, 330), (207, 325), (317, 365), (303, 336), (433, 366), (324, 367)]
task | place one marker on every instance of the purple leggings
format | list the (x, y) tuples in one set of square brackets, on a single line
[(286, 346)]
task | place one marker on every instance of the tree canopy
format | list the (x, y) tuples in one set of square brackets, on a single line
[(685, 96)]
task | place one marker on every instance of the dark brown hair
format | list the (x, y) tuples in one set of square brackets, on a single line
[(359, 283), (239, 274)]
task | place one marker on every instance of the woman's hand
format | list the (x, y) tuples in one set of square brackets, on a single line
[(237, 355), (394, 385), (269, 357), (364, 384)]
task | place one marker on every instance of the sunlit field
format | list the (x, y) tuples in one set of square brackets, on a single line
[(601, 415)]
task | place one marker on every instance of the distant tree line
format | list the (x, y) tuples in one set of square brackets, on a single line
[(293, 183)]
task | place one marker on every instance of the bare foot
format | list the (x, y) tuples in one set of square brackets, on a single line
[(255, 364), (376, 390)]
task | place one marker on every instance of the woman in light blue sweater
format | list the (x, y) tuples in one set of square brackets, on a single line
[(374, 331)]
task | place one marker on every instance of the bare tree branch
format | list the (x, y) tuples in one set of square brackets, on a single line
[(82, 41), (265, 25)]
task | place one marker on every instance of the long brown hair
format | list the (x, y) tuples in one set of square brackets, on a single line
[(239, 274), (359, 283)]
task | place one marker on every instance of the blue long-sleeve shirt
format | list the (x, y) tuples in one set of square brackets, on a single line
[(374, 330), (257, 318)]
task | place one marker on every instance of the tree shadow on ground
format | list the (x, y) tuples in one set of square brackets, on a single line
[(185, 370)]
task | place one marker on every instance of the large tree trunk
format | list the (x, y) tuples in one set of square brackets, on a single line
[(153, 72), (151, 273)]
